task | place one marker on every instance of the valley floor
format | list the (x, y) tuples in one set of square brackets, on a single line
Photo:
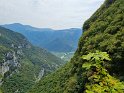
[(66, 56)]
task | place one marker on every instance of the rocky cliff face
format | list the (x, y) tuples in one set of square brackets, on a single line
[(21, 63), (11, 62)]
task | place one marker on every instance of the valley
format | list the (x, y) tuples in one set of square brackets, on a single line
[(66, 56), (61, 43), (74, 60)]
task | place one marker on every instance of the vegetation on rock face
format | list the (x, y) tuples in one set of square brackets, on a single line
[(104, 31), (21, 64), (97, 77), (3, 50)]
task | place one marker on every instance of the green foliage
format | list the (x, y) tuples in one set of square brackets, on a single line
[(99, 80), (96, 59), (105, 31), (1, 91), (54, 83), (32, 59), (17, 83)]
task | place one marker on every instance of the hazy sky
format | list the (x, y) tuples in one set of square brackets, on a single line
[(57, 14)]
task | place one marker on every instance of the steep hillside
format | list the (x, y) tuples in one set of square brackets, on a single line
[(21, 64), (104, 31), (53, 40)]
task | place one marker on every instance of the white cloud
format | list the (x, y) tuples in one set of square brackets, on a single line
[(56, 14)]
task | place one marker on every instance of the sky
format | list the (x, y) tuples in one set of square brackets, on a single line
[(55, 14)]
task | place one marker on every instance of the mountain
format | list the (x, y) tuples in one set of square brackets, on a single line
[(91, 71), (53, 40), (21, 63)]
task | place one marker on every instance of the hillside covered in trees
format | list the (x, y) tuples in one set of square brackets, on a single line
[(98, 64), (22, 64)]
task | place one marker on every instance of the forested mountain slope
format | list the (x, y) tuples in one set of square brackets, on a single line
[(65, 40), (104, 31), (21, 64)]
